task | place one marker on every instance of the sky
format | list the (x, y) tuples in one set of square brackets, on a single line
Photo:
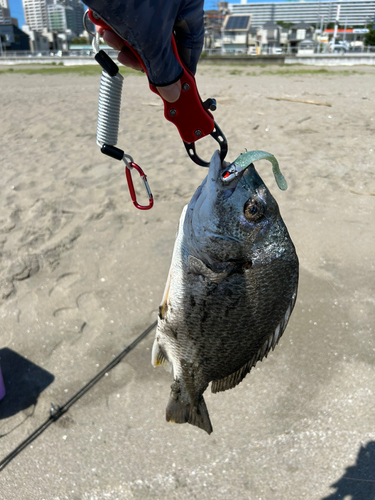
[(16, 9)]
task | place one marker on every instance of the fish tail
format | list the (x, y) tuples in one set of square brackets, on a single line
[(181, 411)]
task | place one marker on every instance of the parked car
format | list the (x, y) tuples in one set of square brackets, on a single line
[(340, 47), (61, 53)]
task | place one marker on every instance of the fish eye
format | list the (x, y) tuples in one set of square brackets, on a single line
[(253, 209)]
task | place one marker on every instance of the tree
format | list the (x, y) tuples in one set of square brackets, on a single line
[(80, 40), (369, 38), (284, 24)]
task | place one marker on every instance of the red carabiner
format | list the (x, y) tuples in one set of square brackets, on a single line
[(131, 186)]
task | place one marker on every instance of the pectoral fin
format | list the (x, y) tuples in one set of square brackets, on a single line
[(158, 357)]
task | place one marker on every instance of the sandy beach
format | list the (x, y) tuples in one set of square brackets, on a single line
[(82, 273)]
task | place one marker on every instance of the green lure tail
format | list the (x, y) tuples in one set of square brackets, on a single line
[(245, 159)]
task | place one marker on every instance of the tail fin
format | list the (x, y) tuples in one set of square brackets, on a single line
[(180, 412)]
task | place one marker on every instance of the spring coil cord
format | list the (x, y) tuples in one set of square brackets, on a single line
[(109, 106)]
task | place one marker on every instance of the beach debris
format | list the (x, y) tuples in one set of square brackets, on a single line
[(363, 194), (23, 268), (304, 119), (20, 269), (158, 104), (221, 100), (304, 101), (231, 288)]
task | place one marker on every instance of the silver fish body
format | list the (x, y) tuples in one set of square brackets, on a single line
[(231, 288)]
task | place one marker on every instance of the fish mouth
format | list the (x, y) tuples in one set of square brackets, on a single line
[(231, 173), (232, 177)]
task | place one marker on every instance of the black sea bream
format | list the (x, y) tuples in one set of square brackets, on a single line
[(231, 289)]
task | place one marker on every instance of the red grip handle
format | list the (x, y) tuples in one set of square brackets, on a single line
[(192, 120)]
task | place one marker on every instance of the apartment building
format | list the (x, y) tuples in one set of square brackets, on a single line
[(352, 12), (4, 12), (55, 15), (35, 12), (74, 15)]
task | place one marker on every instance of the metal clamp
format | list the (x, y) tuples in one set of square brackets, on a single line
[(219, 137)]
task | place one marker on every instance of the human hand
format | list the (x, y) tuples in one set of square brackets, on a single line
[(147, 27), (126, 57)]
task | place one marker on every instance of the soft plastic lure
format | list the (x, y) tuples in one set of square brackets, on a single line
[(246, 159)]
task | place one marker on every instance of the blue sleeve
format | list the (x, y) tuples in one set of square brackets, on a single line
[(147, 25)]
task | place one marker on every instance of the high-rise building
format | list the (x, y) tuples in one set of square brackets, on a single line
[(74, 15), (4, 12), (35, 12), (66, 15), (4, 15), (352, 12), (56, 15)]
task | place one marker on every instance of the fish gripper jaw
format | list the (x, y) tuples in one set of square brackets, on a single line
[(219, 137)]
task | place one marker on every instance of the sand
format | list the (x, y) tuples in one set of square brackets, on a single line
[(82, 273)]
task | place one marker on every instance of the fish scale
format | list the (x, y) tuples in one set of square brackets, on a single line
[(231, 289), (243, 314)]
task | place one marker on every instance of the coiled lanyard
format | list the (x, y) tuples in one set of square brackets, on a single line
[(109, 120)]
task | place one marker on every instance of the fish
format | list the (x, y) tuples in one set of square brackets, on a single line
[(231, 287)]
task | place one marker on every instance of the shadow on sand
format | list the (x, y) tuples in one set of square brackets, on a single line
[(23, 380), (358, 482)]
